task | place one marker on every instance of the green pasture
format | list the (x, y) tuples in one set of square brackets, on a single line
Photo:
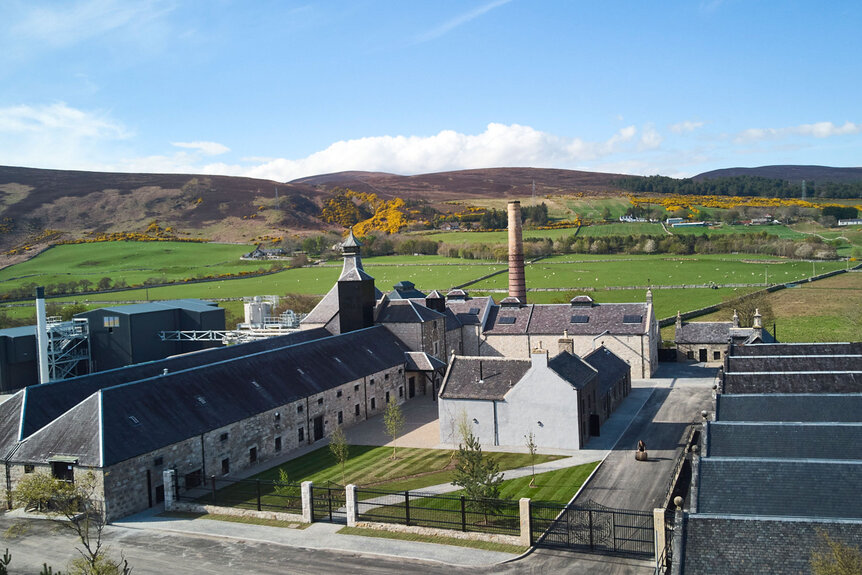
[(621, 229), (498, 237), (773, 230), (134, 262), (660, 270)]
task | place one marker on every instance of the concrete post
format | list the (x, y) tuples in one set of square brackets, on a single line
[(307, 503), (526, 522), (351, 504), (169, 483), (660, 541)]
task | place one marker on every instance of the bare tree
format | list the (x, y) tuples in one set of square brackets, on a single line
[(530, 440), (84, 512)]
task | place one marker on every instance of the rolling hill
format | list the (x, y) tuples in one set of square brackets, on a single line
[(789, 173)]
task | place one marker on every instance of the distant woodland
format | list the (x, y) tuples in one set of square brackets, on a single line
[(740, 186)]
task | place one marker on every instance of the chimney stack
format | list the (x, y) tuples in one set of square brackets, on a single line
[(517, 284)]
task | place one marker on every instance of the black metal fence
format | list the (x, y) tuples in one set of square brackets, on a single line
[(442, 511), (593, 527), (248, 494), (328, 503)]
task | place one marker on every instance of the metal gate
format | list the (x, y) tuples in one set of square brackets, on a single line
[(328, 504), (593, 527)]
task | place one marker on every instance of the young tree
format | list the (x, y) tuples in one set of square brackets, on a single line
[(84, 513), (393, 419), (339, 448), (478, 475), (530, 440)]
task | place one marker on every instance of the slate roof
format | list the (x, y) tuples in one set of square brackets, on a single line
[(840, 407), (421, 361), (452, 321), (780, 487), (573, 369), (167, 408), (149, 307), (793, 382), (704, 332), (784, 440), (488, 378), (41, 404), (405, 290), (406, 311), (470, 311), (611, 368), (555, 318), (798, 349), (794, 363)]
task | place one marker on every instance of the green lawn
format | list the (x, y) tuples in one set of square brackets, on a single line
[(368, 466)]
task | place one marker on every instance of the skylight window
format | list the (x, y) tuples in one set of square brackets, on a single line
[(506, 320), (134, 420), (632, 318), (580, 319), (201, 399), (255, 384), (474, 311)]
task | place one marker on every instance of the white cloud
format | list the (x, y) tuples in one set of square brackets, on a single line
[(650, 138), (459, 20), (208, 148), (499, 145), (56, 134), (817, 130), (684, 127)]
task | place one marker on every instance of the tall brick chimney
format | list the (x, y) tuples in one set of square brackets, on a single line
[(517, 284)]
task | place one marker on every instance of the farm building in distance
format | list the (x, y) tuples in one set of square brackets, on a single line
[(709, 341)]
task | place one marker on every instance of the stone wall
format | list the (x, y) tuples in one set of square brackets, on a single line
[(187, 507), (434, 532)]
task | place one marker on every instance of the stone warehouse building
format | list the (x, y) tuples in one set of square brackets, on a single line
[(709, 341), (780, 466), (203, 420)]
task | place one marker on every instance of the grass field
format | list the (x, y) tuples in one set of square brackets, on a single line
[(660, 270), (826, 310), (132, 261)]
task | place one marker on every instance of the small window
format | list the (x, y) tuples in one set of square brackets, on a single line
[(301, 434), (278, 443), (320, 401), (436, 347), (356, 410), (401, 391), (371, 381), (506, 320), (338, 393), (223, 436), (255, 384), (385, 376), (580, 319), (356, 387), (373, 406), (225, 466), (340, 417), (252, 455), (134, 420), (201, 399), (158, 461), (716, 355), (689, 354), (277, 416), (387, 397), (111, 321), (28, 468), (299, 408), (400, 370)]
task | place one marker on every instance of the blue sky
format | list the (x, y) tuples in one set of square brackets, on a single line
[(282, 90)]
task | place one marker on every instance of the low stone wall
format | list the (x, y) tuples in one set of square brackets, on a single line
[(433, 531), (235, 512)]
